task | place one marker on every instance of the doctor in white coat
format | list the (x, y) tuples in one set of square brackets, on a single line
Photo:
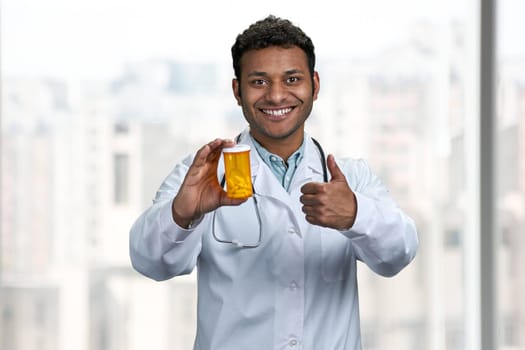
[(290, 281)]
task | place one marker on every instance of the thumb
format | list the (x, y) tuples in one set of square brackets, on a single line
[(334, 169)]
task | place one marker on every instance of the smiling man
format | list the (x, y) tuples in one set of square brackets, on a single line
[(276, 90), (277, 270)]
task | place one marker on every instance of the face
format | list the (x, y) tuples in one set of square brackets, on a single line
[(276, 92)]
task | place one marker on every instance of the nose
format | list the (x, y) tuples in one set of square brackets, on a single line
[(276, 93)]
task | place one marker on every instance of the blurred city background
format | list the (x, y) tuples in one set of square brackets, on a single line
[(101, 99)]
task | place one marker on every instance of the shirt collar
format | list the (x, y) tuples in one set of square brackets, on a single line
[(271, 159)]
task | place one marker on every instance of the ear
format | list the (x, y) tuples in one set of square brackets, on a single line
[(317, 85), (236, 90)]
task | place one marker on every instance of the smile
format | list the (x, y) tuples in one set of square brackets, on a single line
[(277, 112)]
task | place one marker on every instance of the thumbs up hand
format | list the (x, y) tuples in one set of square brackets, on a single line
[(331, 204)]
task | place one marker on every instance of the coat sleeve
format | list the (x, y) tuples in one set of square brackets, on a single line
[(159, 248), (383, 236)]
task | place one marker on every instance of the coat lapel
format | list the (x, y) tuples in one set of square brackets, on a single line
[(310, 169)]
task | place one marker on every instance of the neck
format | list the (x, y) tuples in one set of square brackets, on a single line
[(283, 148)]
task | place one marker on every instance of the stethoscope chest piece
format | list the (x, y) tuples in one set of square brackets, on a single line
[(236, 218)]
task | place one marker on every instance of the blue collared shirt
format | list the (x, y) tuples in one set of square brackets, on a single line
[(284, 171)]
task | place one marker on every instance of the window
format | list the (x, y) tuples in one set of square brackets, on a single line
[(121, 128), (121, 178)]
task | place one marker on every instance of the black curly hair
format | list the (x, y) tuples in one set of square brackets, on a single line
[(271, 31)]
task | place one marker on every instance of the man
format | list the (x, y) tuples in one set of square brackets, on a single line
[(297, 287)]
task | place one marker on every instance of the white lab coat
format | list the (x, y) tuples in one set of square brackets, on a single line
[(298, 289)]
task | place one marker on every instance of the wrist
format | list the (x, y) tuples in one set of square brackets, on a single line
[(182, 221), (353, 214)]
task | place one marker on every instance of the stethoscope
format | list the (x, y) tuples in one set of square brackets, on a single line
[(238, 243)]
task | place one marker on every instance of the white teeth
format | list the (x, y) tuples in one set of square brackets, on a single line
[(277, 112)]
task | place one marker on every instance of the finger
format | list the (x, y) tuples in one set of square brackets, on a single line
[(334, 169), (228, 143), (308, 199), (202, 154), (227, 201), (217, 148), (306, 209), (312, 188), (311, 219), (211, 151)]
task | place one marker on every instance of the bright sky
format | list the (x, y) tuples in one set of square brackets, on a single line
[(95, 38)]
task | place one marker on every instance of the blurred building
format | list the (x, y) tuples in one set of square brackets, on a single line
[(511, 199), (79, 163)]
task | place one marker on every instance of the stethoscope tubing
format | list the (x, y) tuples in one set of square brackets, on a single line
[(236, 242)]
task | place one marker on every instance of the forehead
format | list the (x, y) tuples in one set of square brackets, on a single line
[(274, 60)]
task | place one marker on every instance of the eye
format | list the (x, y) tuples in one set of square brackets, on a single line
[(292, 80), (258, 82)]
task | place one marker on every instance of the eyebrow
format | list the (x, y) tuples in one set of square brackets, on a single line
[(294, 71), (257, 74), (264, 74)]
